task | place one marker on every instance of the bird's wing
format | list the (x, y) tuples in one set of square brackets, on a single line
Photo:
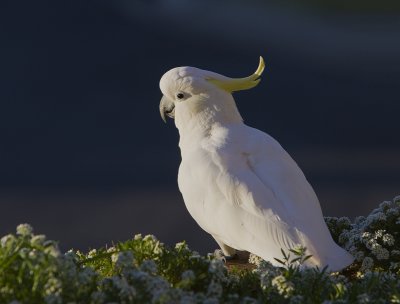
[(258, 176)]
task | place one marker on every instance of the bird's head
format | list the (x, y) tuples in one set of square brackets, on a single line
[(191, 92)]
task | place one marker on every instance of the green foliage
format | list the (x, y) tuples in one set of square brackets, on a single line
[(143, 270)]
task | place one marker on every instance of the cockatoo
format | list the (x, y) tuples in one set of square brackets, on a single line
[(237, 182)]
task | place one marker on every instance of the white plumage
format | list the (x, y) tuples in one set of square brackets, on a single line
[(237, 182)]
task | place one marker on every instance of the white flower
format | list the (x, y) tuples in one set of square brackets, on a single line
[(181, 246), (255, 259), (52, 248), (24, 229), (366, 235), (38, 240), (388, 239), (53, 287), (33, 254), (137, 237), (150, 237), (92, 253), (379, 233), (283, 286), (111, 249), (7, 240), (372, 244)]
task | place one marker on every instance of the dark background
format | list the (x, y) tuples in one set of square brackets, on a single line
[(85, 157)]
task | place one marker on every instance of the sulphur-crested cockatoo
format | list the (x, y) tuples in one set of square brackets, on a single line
[(237, 182)]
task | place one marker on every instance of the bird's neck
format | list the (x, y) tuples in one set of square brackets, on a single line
[(198, 123)]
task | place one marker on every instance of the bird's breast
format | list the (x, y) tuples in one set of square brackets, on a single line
[(197, 183)]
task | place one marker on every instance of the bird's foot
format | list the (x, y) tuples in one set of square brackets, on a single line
[(219, 255)]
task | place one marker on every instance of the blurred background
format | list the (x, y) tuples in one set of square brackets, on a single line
[(85, 157)]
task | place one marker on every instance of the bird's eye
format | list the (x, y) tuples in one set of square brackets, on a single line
[(180, 95)]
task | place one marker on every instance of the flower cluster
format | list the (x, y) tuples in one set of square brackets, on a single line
[(143, 270), (373, 240)]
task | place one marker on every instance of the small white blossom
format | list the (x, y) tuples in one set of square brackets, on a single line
[(111, 249), (52, 249), (92, 253), (388, 239), (24, 229), (181, 246), (255, 259), (150, 237), (7, 240), (38, 240), (283, 286), (53, 286), (379, 233)]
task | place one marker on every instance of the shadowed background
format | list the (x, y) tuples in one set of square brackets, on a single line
[(85, 157)]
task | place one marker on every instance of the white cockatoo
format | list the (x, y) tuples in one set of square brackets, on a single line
[(237, 182)]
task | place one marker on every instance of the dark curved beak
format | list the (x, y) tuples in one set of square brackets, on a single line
[(167, 108)]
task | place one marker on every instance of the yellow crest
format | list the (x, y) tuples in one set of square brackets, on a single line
[(237, 84)]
